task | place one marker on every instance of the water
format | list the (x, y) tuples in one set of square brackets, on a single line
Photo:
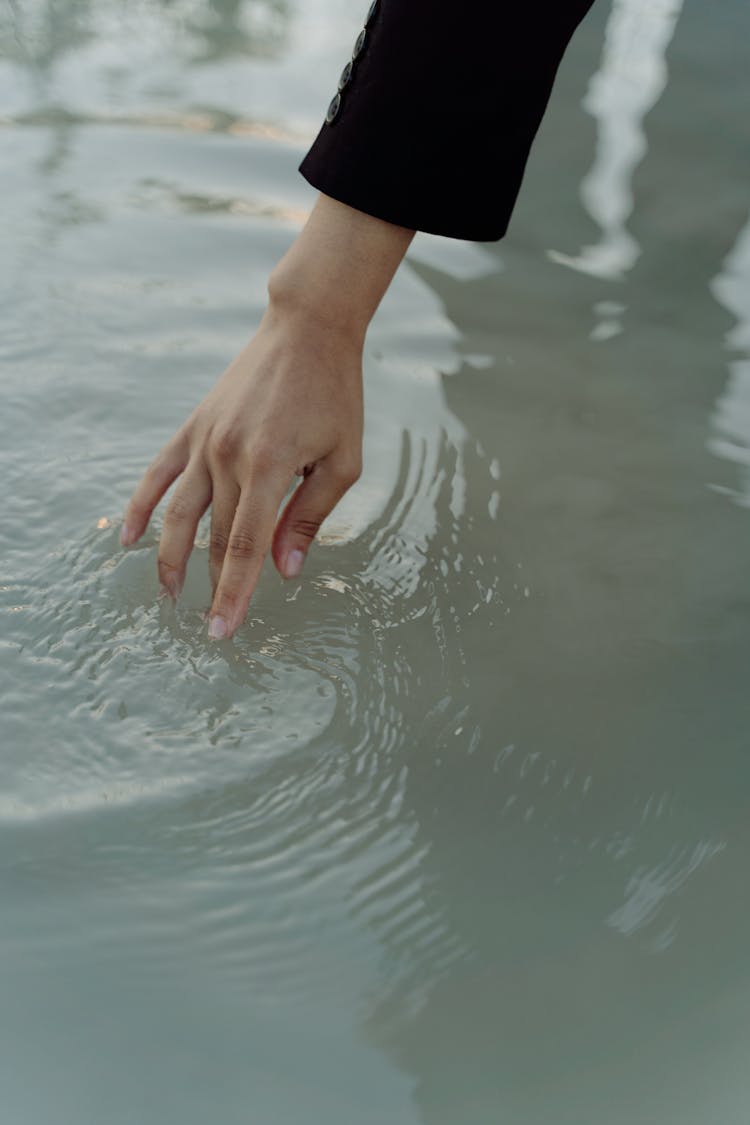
[(456, 827)]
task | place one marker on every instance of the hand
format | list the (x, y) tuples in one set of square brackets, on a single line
[(290, 403)]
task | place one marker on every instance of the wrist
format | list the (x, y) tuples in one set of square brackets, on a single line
[(338, 268), (298, 295)]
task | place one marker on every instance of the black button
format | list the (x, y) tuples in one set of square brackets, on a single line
[(359, 45), (346, 74), (333, 109), (371, 13)]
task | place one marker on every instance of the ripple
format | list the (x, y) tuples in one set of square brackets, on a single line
[(269, 774)]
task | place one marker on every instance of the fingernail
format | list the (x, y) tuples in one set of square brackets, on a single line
[(294, 561), (217, 628), (126, 535)]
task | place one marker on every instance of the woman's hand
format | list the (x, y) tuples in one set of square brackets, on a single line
[(290, 403)]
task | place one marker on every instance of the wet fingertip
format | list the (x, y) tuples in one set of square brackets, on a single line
[(127, 535), (170, 583), (293, 563), (217, 628)]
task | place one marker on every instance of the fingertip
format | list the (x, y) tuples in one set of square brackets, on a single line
[(288, 553), (171, 579), (293, 563), (218, 628), (224, 616), (127, 535)]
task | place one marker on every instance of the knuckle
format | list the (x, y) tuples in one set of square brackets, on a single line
[(307, 528), (157, 467), (178, 509), (225, 443), (170, 575), (218, 541), (349, 472), (166, 566), (264, 458), (242, 546)]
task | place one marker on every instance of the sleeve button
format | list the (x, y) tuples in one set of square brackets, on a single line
[(333, 109), (346, 74), (360, 44)]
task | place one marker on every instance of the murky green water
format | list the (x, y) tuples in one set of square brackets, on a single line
[(456, 830)]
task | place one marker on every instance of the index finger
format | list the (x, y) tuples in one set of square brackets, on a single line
[(249, 543)]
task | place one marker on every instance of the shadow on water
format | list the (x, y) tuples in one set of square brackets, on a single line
[(587, 844), (582, 809)]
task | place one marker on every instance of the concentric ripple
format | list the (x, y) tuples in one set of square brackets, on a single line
[(270, 770)]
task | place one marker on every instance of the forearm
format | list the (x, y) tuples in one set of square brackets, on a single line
[(338, 268)]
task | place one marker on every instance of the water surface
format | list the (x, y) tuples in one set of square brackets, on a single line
[(455, 829)]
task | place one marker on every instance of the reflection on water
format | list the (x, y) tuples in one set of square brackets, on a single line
[(455, 828), (732, 414), (37, 33), (629, 81)]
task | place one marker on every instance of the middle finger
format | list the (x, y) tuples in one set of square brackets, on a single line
[(224, 505)]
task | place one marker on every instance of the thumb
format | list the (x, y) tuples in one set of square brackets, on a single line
[(308, 506)]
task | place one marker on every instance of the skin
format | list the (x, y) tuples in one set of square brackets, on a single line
[(289, 404)]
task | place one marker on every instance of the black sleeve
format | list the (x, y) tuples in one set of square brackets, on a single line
[(436, 112)]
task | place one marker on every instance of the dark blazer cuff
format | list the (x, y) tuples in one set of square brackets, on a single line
[(436, 112), (375, 195)]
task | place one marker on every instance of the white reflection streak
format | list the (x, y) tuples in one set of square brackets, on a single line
[(628, 83), (647, 890), (731, 415)]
